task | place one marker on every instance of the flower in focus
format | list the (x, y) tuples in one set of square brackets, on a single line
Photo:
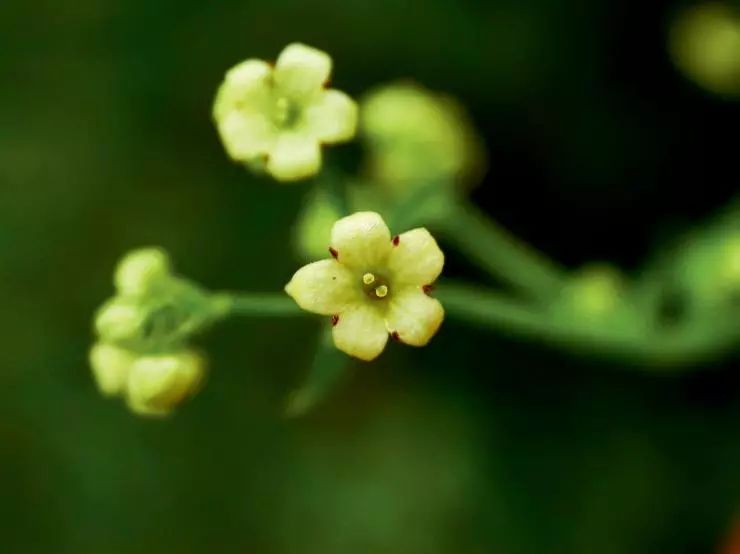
[(375, 286), (416, 136), (279, 116)]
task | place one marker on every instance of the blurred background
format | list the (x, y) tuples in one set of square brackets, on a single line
[(599, 148)]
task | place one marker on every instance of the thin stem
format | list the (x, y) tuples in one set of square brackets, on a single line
[(673, 347), (501, 253), (254, 304)]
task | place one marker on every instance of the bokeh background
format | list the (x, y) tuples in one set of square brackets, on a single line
[(599, 150)]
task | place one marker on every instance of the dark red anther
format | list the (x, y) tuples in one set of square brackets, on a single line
[(334, 253), (396, 240), (427, 289), (334, 320), (395, 337)]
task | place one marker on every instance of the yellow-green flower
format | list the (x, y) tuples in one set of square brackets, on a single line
[(374, 286), (280, 115)]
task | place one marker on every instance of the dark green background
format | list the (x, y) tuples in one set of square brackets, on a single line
[(599, 150)]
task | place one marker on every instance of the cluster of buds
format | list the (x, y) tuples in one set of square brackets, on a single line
[(142, 352)]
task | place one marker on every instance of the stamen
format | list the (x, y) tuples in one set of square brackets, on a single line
[(368, 278), (381, 291), (334, 253), (396, 240), (334, 320)]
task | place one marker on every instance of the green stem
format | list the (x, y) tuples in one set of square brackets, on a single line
[(501, 253), (260, 305), (674, 347)]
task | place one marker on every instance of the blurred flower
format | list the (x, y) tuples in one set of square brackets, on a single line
[(278, 117), (375, 286), (705, 45), (416, 136), (143, 333), (157, 384)]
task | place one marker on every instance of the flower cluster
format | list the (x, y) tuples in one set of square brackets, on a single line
[(277, 117), (374, 286), (142, 352)]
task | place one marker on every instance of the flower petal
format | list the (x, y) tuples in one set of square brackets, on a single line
[(416, 259), (362, 241), (295, 156), (324, 287), (414, 316), (301, 71), (246, 88), (246, 136), (333, 117), (360, 332)]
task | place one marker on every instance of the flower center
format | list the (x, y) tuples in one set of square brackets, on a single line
[(286, 113), (375, 286)]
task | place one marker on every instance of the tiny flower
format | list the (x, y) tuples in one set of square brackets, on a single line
[(374, 287), (158, 383), (281, 115), (140, 270), (111, 366)]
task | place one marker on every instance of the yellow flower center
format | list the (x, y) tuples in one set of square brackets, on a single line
[(375, 286), (286, 113)]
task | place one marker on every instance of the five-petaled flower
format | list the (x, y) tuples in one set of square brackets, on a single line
[(279, 116), (374, 287)]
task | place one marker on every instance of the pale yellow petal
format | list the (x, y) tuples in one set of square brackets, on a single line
[(301, 71), (414, 316), (246, 88), (415, 260), (362, 241), (295, 156), (324, 287), (360, 332), (332, 118), (246, 137)]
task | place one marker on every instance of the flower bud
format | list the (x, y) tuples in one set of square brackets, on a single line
[(119, 320), (705, 45), (158, 383), (416, 136), (140, 270), (110, 365)]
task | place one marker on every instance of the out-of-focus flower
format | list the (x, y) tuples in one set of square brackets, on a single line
[(374, 286), (416, 136), (158, 383), (705, 45), (279, 116)]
